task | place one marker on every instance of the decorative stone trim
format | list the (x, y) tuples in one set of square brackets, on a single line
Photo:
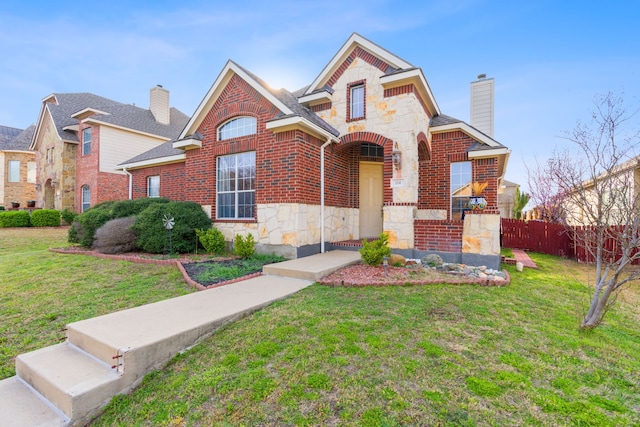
[(455, 281)]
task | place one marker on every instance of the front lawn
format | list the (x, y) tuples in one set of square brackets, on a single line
[(42, 291), (456, 355)]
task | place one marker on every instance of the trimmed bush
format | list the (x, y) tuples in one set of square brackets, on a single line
[(374, 252), (84, 227), (127, 208), (244, 246), (188, 217), (14, 219), (68, 216), (212, 240), (45, 218), (116, 236)]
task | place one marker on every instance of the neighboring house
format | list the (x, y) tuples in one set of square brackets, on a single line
[(80, 138), (507, 198), (17, 166), (364, 149)]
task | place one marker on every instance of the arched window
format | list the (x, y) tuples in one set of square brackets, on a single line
[(86, 197), (237, 127)]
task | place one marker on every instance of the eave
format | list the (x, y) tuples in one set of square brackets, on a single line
[(297, 122), (415, 77), (316, 98), (178, 158), (101, 123), (187, 144)]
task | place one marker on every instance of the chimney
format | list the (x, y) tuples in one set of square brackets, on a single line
[(159, 104), (482, 104)]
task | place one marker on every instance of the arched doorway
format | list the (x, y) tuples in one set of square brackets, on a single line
[(49, 195)]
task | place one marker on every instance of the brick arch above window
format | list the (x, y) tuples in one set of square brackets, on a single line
[(371, 137)]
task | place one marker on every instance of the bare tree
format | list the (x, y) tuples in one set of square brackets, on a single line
[(597, 183)]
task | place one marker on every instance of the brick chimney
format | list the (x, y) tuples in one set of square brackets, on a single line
[(482, 104), (159, 104)]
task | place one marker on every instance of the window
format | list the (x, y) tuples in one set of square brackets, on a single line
[(86, 198), (356, 101), (31, 172), (460, 188), (14, 170), (371, 150), (236, 186), (86, 141), (153, 186), (237, 127)]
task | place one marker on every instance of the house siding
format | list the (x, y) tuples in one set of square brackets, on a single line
[(118, 146)]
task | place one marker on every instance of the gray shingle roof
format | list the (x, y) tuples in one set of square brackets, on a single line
[(443, 119), (162, 150), (123, 115), (15, 139)]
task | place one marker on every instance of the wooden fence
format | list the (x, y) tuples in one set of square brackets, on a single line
[(553, 239)]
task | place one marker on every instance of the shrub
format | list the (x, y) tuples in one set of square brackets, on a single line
[(212, 240), (45, 218), (84, 227), (373, 252), (152, 235), (116, 236), (68, 216), (244, 246), (14, 219), (127, 208)]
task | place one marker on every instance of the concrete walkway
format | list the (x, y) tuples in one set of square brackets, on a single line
[(68, 383)]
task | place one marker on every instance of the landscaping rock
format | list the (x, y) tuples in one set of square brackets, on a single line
[(432, 260), (397, 260)]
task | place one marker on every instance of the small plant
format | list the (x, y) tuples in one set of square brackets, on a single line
[(68, 216), (375, 251), (212, 240), (45, 218), (244, 246), (478, 187)]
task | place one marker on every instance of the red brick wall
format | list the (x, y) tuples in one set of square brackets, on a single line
[(111, 186), (442, 236), (446, 148), (171, 181)]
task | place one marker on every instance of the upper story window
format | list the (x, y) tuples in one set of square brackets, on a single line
[(153, 186), (86, 197), (460, 179), (31, 172), (14, 170), (235, 128), (356, 101), (86, 141)]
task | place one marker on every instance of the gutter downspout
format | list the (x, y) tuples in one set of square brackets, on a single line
[(329, 141), (130, 182)]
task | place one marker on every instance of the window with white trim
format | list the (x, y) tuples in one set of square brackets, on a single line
[(86, 141), (460, 179), (86, 197), (14, 170), (153, 186), (237, 127), (356, 102), (236, 179)]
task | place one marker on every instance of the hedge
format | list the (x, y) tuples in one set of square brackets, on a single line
[(45, 218), (14, 219)]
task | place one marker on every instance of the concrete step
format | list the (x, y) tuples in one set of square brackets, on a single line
[(313, 267), (72, 380), (23, 406)]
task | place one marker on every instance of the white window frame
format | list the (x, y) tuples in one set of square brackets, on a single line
[(86, 141), (237, 127), (14, 171), (235, 183), (153, 186), (356, 100), (458, 174), (85, 192)]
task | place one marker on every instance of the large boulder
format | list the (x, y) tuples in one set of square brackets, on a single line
[(432, 260), (395, 259)]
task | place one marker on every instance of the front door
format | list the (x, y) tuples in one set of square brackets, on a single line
[(371, 192)]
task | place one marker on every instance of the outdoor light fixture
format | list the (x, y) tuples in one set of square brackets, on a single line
[(396, 158)]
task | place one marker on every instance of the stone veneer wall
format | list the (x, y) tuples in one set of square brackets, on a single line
[(17, 191)]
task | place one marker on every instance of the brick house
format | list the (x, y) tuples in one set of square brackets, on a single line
[(80, 138), (17, 166), (363, 149)]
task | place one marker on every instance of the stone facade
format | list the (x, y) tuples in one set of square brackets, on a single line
[(20, 191)]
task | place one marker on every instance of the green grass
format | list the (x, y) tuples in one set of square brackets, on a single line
[(212, 271), (442, 355), (434, 355), (42, 291)]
